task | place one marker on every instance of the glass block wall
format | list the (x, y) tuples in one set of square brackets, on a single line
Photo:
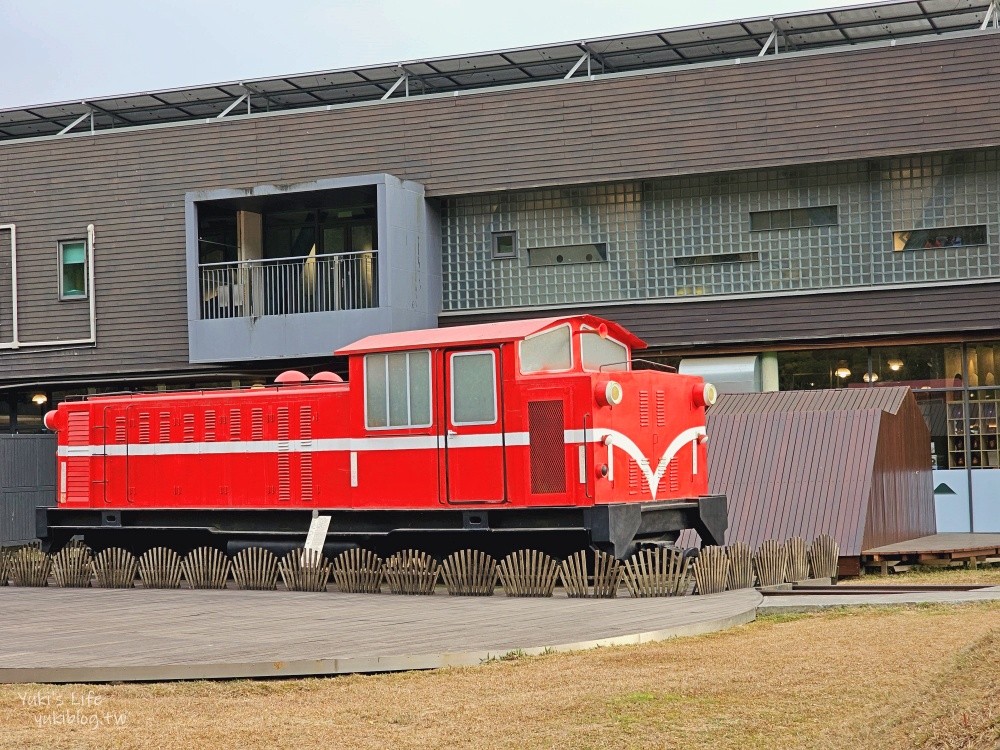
[(692, 236)]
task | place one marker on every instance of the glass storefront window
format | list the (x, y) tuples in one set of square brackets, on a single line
[(982, 434), (5, 423), (981, 362), (934, 407), (822, 368), (30, 407), (920, 367)]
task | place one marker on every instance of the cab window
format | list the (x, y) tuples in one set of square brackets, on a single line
[(398, 390), (550, 351), (473, 388), (602, 353)]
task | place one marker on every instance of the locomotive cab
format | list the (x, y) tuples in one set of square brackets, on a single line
[(543, 414)]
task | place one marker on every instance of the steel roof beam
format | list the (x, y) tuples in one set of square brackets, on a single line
[(599, 56), (404, 81), (576, 66), (251, 91), (992, 16), (772, 39), (233, 106), (399, 82), (109, 113), (76, 122)]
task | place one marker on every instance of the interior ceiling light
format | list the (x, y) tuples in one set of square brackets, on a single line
[(895, 364), (39, 399), (843, 371), (870, 377)]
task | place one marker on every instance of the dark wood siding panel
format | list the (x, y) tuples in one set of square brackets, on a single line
[(783, 110), (759, 321), (805, 97)]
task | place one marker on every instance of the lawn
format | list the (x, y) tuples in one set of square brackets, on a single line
[(916, 677)]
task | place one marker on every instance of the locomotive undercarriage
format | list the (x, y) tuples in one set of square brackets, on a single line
[(617, 529)]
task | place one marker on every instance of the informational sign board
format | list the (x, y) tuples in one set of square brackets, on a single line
[(318, 529)]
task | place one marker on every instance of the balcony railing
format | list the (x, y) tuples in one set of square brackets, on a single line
[(285, 286)]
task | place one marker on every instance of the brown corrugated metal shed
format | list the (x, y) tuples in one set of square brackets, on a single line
[(853, 463)]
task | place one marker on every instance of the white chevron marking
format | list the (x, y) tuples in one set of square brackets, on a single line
[(618, 440)]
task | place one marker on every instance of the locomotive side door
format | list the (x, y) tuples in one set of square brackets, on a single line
[(474, 441), (115, 455)]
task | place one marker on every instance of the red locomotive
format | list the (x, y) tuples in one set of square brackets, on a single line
[(539, 433)]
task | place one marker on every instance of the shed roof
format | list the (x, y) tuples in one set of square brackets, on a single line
[(884, 398), (482, 333)]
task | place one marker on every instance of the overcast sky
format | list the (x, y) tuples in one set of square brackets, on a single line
[(68, 50)]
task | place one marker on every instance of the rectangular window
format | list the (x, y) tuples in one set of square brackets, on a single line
[(567, 254), (793, 218), (549, 351), (504, 245), (72, 269), (930, 239), (473, 388), (398, 390), (704, 260)]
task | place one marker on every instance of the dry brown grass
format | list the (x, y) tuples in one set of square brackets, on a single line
[(987, 575), (880, 678)]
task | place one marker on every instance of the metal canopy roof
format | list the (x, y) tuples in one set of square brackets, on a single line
[(836, 27)]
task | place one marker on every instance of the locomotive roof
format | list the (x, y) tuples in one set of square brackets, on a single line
[(482, 333)]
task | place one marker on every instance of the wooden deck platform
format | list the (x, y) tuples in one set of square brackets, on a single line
[(939, 549), (100, 635)]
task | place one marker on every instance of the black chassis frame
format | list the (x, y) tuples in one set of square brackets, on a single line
[(616, 529)]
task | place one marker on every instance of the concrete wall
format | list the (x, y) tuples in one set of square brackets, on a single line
[(409, 280)]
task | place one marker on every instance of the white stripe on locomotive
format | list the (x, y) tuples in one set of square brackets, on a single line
[(612, 438)]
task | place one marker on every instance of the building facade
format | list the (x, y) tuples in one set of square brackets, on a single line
[(816, 193)]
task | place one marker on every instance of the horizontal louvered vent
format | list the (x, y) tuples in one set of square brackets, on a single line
[(144, 430), (78, 428), (78, 467)]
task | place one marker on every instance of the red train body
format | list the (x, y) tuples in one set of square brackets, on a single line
[(539, 428)]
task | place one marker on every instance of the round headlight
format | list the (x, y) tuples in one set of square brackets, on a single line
[(608, 393), (613, 392), (710, 394)]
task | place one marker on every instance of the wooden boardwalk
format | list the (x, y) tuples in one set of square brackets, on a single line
[(939, 549), (99, 635)]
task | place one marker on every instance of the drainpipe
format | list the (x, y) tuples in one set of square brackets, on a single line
[(12, 228)]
